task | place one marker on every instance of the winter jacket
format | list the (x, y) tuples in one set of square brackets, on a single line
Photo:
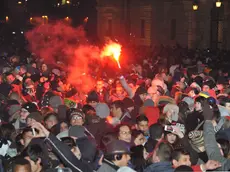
[(212, 148), (160, 166), (108, 166), (66, 156)]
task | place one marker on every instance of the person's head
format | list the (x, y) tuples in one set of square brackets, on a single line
[(23, 114), (72, 145), (198, 103), (34, 154), (180, 157), (117, 108), (183, 168), (119, 89), (50, 120), (99, 85), (63, 126), (170, 137), (118, 153), (26, 137), (171, 112), (138, 137), (46, 85), (225, 101), (22, 70), (34, 65), (6, 131), (18, 164), (162, 153), (156, 131), (92, 99), (34, 117), (224, 147), (44, 67), (142, 124), (26, 109), (124, 133), (77, 118), (10, 78)]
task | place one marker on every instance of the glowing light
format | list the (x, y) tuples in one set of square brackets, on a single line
[(22, 32), (31, 18), (13, 33), (86, 19), (19, 2), (218, 3), (7, 18), (58, 4), (68, 2), (114, 50), (195, 7)]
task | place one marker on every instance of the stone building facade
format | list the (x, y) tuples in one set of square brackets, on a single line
[(153, 22)]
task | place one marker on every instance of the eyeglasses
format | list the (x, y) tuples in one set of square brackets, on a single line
[(126, 132), (76, 117)]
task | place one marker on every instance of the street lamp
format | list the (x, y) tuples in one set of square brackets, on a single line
[(68, 2), (195, 7), (218, 3), (7, 18), (19, 2)]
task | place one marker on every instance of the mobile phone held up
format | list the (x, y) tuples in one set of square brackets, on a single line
[(169, 128)]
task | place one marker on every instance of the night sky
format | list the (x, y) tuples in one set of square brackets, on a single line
[(87, 8)]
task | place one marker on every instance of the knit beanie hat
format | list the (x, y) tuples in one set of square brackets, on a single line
[(175, 110), (30, 107), (189, 101), (102, 110), (77, 131), (37, 116), (55, 101)]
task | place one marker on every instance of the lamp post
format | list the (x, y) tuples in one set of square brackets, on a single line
[(218, 3), (195, 7)]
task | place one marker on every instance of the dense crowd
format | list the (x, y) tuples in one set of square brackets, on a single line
[(167, 111)]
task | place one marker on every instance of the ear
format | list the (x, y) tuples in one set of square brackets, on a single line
[(22, 142), (175, 163), (38, 161)]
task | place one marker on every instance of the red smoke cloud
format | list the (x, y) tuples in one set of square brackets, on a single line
[(61, 42)]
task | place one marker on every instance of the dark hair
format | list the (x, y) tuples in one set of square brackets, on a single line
[(141, 118), (137, 158), (136, 133), (200, 99), (87, 108), (113, 157), (223, 100), (183, 168), (49, 115), (92, 96), (68, 141), (176, 154), (224, 146), (117, 129), (6, 131), (164, 152), (119, 104), (10, 165), (156, 131)]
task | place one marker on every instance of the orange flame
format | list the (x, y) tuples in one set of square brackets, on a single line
[(112, 49)]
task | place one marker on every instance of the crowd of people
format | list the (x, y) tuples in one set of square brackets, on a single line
[(168, 111)]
